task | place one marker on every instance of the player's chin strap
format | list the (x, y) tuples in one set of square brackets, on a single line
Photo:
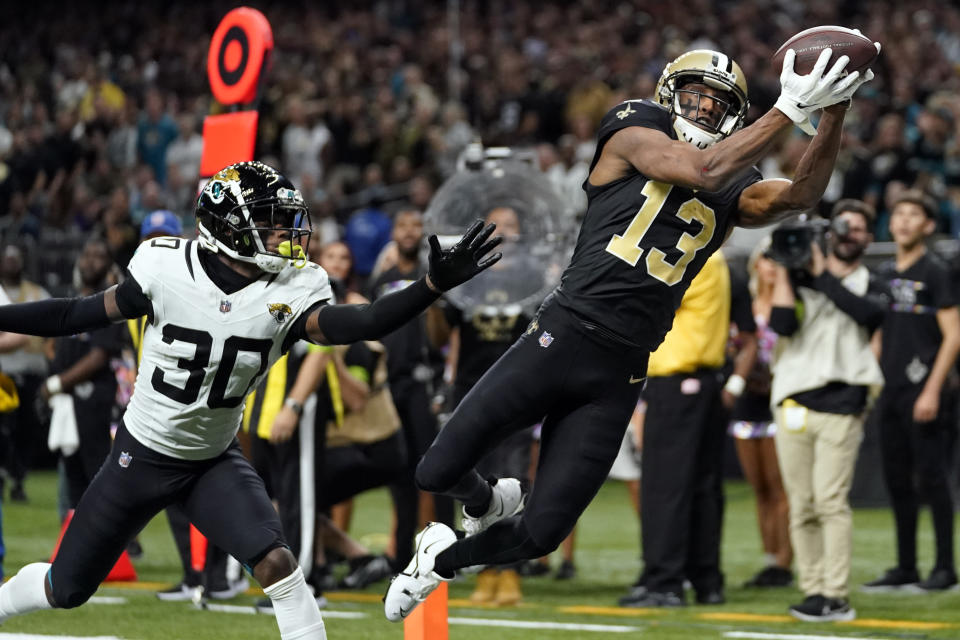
[(694, 134)]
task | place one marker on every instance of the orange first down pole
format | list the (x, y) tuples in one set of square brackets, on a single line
[(429, 620)]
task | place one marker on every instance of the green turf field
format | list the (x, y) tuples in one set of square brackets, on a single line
[(607, 559)]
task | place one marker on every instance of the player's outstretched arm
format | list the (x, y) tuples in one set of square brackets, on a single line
[(769, 201), (661, 158), (68, 316), (346, 323)]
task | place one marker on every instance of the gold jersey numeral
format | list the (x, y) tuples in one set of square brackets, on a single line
[(627, 246)]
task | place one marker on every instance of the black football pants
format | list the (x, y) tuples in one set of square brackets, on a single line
[(916, 465), (279, 466), (223, 496), (214, 575), (681, 499), (581, 381)]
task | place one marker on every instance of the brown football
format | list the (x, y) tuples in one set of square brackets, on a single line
[(808, 45)]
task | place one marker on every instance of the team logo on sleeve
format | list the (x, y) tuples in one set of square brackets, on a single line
[(623, 113), (281, 312)]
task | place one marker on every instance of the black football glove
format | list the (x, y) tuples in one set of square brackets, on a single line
[(462, 261)]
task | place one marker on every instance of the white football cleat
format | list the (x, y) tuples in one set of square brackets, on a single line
[(506, 500), (418, 580)]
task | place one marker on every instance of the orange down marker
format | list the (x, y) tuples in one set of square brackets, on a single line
[(429, 620)]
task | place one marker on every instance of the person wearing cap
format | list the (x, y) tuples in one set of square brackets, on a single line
[(160, 223)]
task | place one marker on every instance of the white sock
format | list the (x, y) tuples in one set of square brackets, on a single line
[(298, 615), (25, 592)]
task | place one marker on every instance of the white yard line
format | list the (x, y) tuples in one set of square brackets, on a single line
[(756, 635), (532, 624), (33, 636), (249, 609), (107, 600)]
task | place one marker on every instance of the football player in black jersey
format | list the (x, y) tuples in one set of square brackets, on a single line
[(668, 182)]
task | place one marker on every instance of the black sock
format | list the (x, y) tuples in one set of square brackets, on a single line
[(504, 542), (475, 493)]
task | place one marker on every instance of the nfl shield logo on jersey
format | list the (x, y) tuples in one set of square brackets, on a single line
[(225, 306), (124, 459), (546, 339)]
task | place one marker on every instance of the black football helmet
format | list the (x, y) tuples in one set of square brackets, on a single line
[(252, 213)]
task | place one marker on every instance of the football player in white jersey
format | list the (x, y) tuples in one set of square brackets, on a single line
[(221, 310)]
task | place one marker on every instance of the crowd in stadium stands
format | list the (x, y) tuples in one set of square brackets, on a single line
[(101, 117), (100, 112)]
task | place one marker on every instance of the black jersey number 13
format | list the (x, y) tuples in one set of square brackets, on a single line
[(627, 246)]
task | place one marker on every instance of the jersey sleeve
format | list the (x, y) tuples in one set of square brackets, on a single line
[(147, 264), (632, 113), (315, 284), (732, 191)]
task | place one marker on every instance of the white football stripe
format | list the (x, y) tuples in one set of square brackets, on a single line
[(249, 609), (532, 624), (33, 636), (756, 635), (107, 600)]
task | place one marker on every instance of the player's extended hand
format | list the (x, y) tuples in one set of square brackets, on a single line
[(800, 95), (454, 266), (849, 85)]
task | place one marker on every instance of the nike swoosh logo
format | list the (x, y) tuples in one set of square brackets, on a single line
[(636, 380), (426, 549)]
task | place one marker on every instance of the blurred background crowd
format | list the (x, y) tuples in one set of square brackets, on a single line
[(368, 105)]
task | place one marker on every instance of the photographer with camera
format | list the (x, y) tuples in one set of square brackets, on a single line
[(825, 308)]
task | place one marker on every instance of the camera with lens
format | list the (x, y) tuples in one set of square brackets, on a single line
[(790, 242)]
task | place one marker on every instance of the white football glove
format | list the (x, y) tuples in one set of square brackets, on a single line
[(844, 89), (848, 86), (800, 95)]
